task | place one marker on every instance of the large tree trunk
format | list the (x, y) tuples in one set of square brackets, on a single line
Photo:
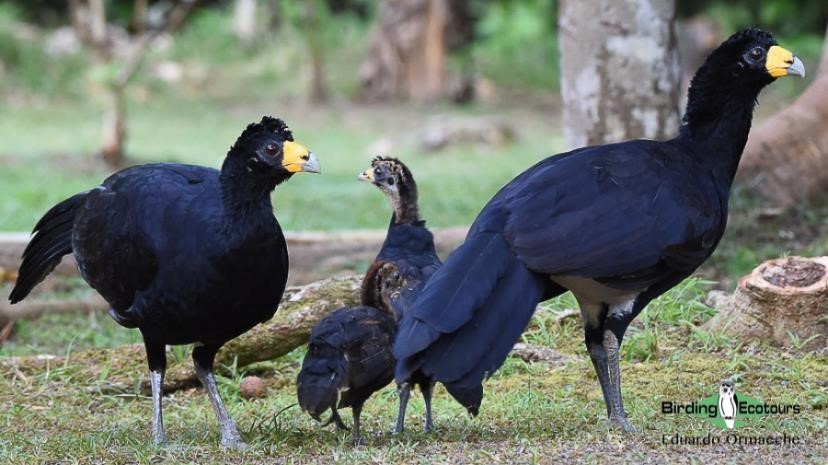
[(620, 70), (786, 159), (407, 51)]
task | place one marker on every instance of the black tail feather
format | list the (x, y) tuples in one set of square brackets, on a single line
[(468, 317), (52, 240)]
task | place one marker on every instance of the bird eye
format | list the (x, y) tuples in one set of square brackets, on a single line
[(271, 150), (757, 53), (390, 181)]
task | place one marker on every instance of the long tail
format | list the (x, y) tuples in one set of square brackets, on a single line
[(52, 240), (317, 386), (468, 317)]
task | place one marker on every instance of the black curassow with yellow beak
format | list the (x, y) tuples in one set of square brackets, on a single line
[(186, 254), (617, 225)]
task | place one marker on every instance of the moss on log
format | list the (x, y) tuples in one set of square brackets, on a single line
[(124, 369)]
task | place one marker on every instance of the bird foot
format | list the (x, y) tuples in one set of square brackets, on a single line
[(621, 423), (233, 444), (429, 427), (357, 441)]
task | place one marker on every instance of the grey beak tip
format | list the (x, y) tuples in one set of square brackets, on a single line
[(797, 68)]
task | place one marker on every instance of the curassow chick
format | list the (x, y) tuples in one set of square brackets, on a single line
[(349, 351), (617, 225), (410, 245), (187, 254)]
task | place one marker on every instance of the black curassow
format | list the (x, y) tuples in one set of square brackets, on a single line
[(409, 245), (349, 351), (617, 225), (186, 254)]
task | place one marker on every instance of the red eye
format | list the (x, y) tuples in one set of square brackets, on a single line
[(271, 150)]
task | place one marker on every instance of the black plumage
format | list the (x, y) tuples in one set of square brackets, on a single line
[(349, 351), (617, 224), (187, 254), (409, 245)]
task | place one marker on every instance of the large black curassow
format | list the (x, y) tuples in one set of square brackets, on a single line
[(409, 245), (186, 254), (349, 351), (616, 224)]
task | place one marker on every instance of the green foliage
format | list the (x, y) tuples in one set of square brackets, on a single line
[(516, 43)]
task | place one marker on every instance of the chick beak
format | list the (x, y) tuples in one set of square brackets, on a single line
[(297, 158), (781, 62), (367, 176)]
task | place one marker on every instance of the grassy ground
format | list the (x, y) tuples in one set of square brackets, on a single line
[(532, 413)]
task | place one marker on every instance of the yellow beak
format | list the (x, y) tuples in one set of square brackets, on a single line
[(367, 175), (781, 62), (297, 158)]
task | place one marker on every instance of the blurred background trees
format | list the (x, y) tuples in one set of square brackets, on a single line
[(613, 79)]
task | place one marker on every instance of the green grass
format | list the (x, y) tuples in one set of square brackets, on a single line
[(532, 412)]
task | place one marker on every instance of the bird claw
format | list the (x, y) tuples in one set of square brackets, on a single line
[(621, 423), (233, 444)]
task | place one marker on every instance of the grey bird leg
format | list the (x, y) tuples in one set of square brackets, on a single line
[(203, 361), (157, 361), (598, 355), (427, 389), (617, 416), (404, 391), (356, 409), (157, 381)]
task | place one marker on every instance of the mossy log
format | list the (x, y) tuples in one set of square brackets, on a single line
[(123, 369), (782, 301)]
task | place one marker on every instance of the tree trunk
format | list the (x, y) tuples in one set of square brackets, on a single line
[(244, 22), (114, 128), (782, 301), (316, 15), (407, 51), (620, 70), (139, 16), (786, 159)]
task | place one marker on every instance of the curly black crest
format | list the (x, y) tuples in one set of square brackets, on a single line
[(268, 124)]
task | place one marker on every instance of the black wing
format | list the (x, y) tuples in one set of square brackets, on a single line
[(624, 214)]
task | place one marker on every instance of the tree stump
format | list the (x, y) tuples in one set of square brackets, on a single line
[(783, 301)]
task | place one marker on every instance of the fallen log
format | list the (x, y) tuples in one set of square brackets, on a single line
[(313, 255), (782, 301), (122, 369)]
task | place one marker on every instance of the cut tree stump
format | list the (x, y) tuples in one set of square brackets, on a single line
[(783, 301)]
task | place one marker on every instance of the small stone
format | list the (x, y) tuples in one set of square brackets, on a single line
[(252, 387)]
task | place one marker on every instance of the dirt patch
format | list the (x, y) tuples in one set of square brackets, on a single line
[(794, 273)]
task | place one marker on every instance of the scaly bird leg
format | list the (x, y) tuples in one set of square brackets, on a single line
[(356, 409), (404, 391), (203, 361), (157, 360), (427, 389)]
